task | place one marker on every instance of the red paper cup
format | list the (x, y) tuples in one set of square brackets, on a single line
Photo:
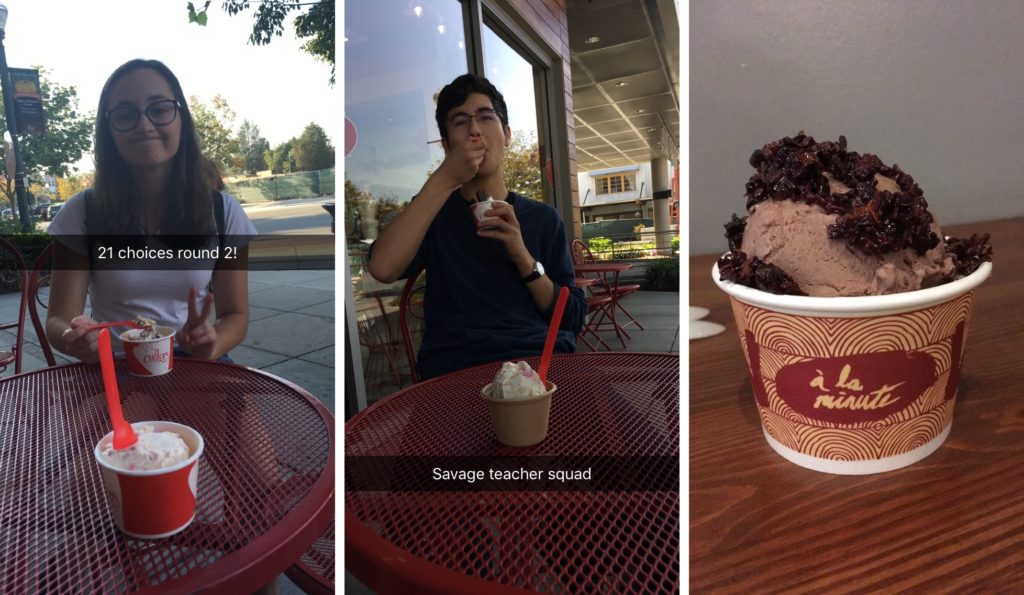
[(149, 357), (154, 503), (855, 385)]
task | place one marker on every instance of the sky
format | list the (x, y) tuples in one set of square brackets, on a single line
[(278, 87)]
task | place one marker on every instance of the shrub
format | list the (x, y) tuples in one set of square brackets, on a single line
[(675, 245), (600, 247), (662, 275)]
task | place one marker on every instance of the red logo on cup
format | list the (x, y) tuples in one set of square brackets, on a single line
[(857, 388)]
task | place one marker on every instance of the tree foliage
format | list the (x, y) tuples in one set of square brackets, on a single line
[(71, 185), (279, 158), (522, 166), (214, 124), (68, 136), (312, 150), (316, 25), (251, 148)]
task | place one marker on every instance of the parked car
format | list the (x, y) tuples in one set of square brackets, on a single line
[(51, 211), (6, 214), (40, 209)]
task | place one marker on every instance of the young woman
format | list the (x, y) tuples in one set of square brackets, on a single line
[(152, 185)]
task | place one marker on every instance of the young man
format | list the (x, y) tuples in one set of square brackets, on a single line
[(491, 291)]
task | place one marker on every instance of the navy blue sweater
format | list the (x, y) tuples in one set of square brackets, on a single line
[(476, 308)]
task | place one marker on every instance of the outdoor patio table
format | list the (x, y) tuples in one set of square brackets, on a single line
[(265, 489), (603, 268), (950, 523), (615, 410)]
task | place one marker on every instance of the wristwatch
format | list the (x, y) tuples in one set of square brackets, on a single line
[(538, 271)]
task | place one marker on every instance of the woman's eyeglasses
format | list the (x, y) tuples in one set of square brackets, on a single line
[(126, 117), (485, 117)]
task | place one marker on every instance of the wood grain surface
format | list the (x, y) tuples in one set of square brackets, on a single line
[(953, 522)]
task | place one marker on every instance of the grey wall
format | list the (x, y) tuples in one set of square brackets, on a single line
[(936, 87)]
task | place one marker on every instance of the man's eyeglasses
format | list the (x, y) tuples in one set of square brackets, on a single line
[(126, 117), (485, 117)]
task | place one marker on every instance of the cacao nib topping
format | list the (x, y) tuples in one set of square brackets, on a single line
[(754, 272), (968, 254), (734, 231), (872, 221)]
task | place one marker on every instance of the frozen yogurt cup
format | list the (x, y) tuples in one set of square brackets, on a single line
[(855, 385), (149, 357), (478, 209), (519, 405), (151, 503)]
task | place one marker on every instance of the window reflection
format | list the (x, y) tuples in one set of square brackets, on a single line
[(513, 75), (398, 55)]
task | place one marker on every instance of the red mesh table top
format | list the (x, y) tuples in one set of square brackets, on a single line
[(609, 406), (266, 480)]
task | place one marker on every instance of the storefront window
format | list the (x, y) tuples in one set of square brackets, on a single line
[(514, 77), (398, 55)]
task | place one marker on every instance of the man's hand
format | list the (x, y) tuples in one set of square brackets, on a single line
[(503, 226), (80, 343), (463, 160), (198, 337)]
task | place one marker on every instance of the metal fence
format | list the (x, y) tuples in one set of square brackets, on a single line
[(634, 245), (280, 187)]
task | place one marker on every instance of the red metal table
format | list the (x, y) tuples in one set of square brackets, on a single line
[(407, 539), (266, 480)]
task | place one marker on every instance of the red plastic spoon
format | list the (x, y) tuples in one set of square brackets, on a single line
[(549, 342), (124, 435)]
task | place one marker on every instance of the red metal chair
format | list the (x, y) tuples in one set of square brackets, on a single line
[(38, 297), (410, 317), (314, 570), (13, 272), (580, 254)]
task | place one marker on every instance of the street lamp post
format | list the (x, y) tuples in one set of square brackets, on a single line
[(19, 174)]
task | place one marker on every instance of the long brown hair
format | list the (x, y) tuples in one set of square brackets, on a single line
[(193, 176)]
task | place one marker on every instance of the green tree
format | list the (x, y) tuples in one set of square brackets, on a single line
[(315, 25), (522, 166), (214, 124), (312, 150), (279, 158), (68, 136), (251, 148)]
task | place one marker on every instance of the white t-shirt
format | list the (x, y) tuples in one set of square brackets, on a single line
[(161, 295)]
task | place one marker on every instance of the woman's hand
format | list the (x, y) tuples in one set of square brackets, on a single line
[(198, 337), (80, 342)]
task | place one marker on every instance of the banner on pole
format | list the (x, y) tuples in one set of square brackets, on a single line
[(28, 101)]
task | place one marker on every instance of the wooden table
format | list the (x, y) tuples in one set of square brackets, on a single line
[(617, 531), (265, 487), (953, 522)]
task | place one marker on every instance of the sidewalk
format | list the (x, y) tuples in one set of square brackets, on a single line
[(291, 330)]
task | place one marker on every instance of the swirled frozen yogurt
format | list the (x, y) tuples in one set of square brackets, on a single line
[(153, 450), (517, 381)]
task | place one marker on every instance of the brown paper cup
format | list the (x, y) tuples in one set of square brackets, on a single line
[(855, 385), (520, 422)]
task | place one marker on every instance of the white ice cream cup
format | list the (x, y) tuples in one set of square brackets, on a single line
[(154, 503), (478, 209), (855, 385), (149, 357)]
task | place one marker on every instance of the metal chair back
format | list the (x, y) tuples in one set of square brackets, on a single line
[(38, 297), (13, 273)]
